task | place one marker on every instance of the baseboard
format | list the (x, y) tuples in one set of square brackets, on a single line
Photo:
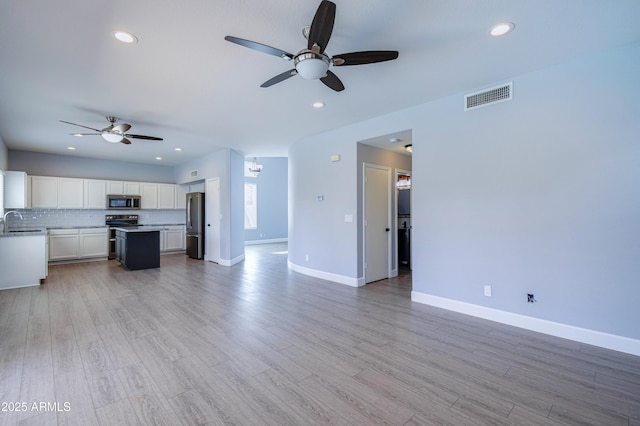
[(274, 240), (582, 335), (340, 279), (231, 262)]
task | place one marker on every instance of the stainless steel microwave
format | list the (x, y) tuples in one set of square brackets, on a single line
[(123, 202)]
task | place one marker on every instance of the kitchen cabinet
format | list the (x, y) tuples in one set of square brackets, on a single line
[(73, 244), (166, 196), (23, 260), (131, 188), (115, 187), (95, 194), (63, 244), (149, 195), (16, 190), (93, 242), (172, 238), (70, 193), (181, 197), (44, 192)]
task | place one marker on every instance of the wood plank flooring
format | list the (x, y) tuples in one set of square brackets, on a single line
[(197, 343)]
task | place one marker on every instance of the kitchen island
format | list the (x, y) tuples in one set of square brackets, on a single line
[(138, 247)]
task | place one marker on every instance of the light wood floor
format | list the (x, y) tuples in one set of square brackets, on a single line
[(197, 343)]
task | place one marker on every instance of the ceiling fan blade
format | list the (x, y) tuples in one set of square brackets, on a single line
[(332, 81), (126, 141), (322, 26), (361, 58), (80, 125), (85, 134), (122, 128), (280, 77), (260, 47), (149, 138)]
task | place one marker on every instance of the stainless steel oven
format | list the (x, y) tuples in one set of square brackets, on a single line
[(114, 221)]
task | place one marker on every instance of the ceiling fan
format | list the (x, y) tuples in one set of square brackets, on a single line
[(113, 133), (312, 63)]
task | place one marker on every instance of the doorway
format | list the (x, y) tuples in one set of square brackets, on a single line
[(403, 206), (377, 222), (212, 217)]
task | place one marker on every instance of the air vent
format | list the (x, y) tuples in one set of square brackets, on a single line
[(489, 96), (194, 173)]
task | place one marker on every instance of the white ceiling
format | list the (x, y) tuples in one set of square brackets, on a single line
[(185, 83)]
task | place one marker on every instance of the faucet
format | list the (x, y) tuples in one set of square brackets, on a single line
[(4, 219)]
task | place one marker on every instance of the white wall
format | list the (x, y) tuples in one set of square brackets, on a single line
[(539, 194), (273, 200)]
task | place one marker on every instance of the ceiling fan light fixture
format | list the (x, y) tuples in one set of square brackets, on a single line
[(111, 137), (311, 66)]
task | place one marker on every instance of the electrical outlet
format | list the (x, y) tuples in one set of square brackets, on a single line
[(306, 257), (487, 290)]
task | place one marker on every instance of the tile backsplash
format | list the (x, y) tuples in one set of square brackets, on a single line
[(65, 218)]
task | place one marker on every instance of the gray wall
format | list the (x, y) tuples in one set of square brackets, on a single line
[(272, 200), (228, 166), (4, 156), (41, 164), (539, 194)]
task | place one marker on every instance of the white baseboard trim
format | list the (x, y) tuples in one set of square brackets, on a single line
[(231, 262), (340, 279), (582, 335), (274, 240)]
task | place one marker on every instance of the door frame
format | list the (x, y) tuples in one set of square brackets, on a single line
[(390, 270)]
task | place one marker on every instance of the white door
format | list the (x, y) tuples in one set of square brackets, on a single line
[(377, 223), (212, 218)]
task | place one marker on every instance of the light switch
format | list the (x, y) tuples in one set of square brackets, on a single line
[(348, 218)]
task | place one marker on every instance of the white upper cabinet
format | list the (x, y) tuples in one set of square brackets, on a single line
[(149, 195), (44, 192), (181, 197), (115, 187), (131, 188), (70, 193), (166, 196), (16, 190), (95, 194)]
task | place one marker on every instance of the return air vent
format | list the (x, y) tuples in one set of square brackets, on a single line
[(489, 96)]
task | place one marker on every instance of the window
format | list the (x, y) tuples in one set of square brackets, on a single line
[(250, 206)]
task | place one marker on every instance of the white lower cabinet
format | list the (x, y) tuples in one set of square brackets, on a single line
[(93, 243), (172, 238), (72, 244), (63, 244)]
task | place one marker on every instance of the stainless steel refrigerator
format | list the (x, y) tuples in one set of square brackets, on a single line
[(195, 225)]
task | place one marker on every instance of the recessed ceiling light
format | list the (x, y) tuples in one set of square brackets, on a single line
[(394, 140), (177, 149), (125, 37), (318, 104), (71, 148), (502, 29), (158, 158)]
